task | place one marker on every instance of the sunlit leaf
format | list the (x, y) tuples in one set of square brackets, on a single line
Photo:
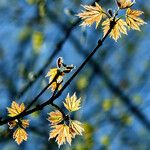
[(25, 123), (120, 27), (92, 14), (15, 109), (133, 20), (123, 4), (19, 135), (76, 128), (62, 134), (12, 124), (52, 74), (55, 117), (72, 103)]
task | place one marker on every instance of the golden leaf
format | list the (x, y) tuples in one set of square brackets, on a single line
[(133, 20), (92, 14), (72, 103), (12, 123), (62, 134), (55, 117), (76, 128), (25, 123), (54, 85), (123, 4), (51, 74), (19, 135), (15, 109), (120, 27)]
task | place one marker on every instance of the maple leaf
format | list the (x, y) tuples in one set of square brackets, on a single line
[(55, 117), (24, 123), (15, 109), (119, 27), (52, 74), (56, 74), (12, 123), (124, 4), (54, 85), (19, 135), (62, 134), (133, 20), (92, 14), (72, 103), (76, 128)]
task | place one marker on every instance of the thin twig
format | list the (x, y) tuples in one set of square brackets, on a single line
[(45, 88), (115, 89), (53, 98), (57, 49)]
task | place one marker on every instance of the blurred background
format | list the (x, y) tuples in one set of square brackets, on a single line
[(34, 33)]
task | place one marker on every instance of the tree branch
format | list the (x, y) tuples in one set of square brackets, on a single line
[(57, 49), (45, 88), (114, 88), (54, 97)]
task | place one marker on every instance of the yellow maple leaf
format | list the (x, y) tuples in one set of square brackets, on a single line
[(12, 123), (19, 135), (62, 134), (52, 74), (72, 103), (54, 85), (120, 27), (76, 128), (92, 14), (15, 109), (24, 123), (55, 117), (124, 4), (133, 20)]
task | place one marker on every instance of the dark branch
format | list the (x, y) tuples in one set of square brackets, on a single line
[(45, 88), (113, 87), (54, 97), (57, 49)]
